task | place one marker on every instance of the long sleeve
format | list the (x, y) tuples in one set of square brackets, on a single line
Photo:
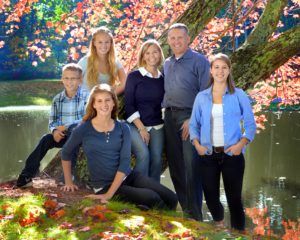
[(203, 74), (130, 103), (125, 153), (72, 144), (247, 115), (195, 120)]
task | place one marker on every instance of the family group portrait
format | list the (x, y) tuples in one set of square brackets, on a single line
[(151, 119)]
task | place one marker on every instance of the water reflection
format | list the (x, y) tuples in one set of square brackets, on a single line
[(20, 128), (272, 179)]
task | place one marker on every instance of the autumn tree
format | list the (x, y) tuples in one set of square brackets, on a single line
[(261, 36)]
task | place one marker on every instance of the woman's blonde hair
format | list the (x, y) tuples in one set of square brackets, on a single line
[(229, 81), (91, 111), (144, 48), (93, 61)]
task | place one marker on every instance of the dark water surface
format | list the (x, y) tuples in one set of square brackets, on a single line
[(272, 175), (20, 130)]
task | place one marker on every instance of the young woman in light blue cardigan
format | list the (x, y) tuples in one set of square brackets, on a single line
[(215, 130)]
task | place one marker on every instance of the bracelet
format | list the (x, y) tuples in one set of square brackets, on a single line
[(141, 129)]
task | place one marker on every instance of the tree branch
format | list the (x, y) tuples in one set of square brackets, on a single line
[(267, 23), (196, 17), (255, 63), (229, 27)]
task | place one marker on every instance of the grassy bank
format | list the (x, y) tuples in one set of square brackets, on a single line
[(33, 92), (45, 216)]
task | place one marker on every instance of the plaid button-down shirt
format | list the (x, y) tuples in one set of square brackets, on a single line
[(66, 111)]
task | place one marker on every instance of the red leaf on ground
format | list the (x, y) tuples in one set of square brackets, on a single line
[(59, 213), (50, 204)]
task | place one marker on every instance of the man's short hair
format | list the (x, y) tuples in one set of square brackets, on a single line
[(72, 67), (179, 26)]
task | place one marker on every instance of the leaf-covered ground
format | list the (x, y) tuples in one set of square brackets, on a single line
[(48, 213)]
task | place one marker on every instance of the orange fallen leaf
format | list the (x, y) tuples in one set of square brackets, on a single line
[(50, 204), (59, 213)]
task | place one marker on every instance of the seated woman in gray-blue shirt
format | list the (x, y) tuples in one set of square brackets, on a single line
[(106, 143)]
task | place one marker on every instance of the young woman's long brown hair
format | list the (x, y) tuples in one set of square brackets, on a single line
[(91, 111), (93, 61)]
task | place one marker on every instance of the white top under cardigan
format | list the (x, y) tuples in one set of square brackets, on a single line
[(217, 130)]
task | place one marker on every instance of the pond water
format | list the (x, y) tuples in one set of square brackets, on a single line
[(21, 128), (271, 183)]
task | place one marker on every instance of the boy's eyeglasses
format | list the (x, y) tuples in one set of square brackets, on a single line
[(70, 79)]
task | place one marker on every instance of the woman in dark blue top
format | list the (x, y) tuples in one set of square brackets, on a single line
[(106, 144), (144, 93)]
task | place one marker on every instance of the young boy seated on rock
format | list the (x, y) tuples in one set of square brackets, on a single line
[(67, 110)]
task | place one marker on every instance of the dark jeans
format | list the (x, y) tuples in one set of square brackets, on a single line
[(47, 142), (232, 170), (182, 159), (142, 190)]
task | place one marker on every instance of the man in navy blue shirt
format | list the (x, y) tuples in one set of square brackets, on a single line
[(186, 73)]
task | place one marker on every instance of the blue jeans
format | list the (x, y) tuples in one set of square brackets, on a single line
[(47, 142), (142, 190), (183, 163), (148, 157)]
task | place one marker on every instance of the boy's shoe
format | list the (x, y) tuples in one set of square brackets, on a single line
[(24, 182)]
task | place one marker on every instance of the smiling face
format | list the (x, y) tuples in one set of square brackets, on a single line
[(152, 56), (102, 43), (71, 80), (179, 41), (103, 104), (220, 71)]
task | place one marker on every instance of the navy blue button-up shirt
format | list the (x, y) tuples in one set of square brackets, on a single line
[(184, 78)]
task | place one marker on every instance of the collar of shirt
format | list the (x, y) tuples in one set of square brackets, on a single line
[(188, 54), (144, 72), (208, 91), (64, 94)]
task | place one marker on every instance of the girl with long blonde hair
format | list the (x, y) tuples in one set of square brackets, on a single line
[(100, 65)]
